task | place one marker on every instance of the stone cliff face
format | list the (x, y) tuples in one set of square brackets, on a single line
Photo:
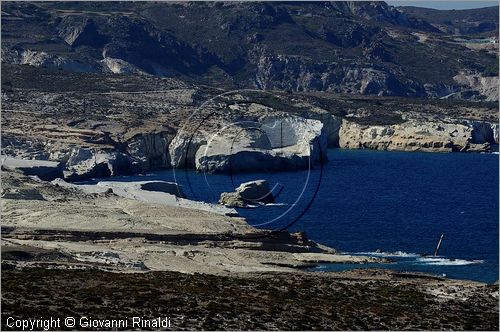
[(331, 124), (84, 163), (270, 143), (149, 150), (276, 144), (419, 136)]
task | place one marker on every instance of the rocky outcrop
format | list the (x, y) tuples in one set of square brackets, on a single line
[(119, 66), (418, 136), (252, 192), (485, 87), (271, 143), (296, 74), (44, 59), (184, 146), (84, 163), (482, 132), (331, 124), (149, 150), (232, 199), (256, 191), (78, 31), (45, 170)]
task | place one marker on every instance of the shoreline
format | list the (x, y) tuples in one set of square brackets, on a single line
[(109, 189), (133, 234), (119, 256)]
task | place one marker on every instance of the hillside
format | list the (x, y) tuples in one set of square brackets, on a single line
[(365, 48), (464, 22)]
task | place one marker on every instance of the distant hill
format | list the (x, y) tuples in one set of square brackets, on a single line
[(466, 21), (346, 47)]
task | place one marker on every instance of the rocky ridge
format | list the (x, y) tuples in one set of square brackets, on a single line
[(420, 136), (366, 48)]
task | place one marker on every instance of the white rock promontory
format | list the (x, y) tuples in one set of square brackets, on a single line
[(154, 192), (272, 143), (418, 136)]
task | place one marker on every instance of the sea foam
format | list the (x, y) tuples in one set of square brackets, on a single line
[(445, 261)]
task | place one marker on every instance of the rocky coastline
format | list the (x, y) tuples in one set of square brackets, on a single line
[(112, 246), (92, 91), (163, 123), (51, 140)]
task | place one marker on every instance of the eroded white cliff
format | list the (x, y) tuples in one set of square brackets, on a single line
[(271, 143)]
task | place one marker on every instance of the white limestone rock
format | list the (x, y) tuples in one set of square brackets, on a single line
[(84, 163), (184, 147), (416, 135), (252, 192), (149, 150), (272, 143), (256, 191)]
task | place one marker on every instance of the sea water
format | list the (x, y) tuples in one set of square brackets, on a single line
[(385, 204)]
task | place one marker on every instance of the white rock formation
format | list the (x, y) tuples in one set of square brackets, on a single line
[(251, 192), (184, 146), (418, 136), (149, 150), (271, 143), (119, 66), (154, 192), (485, 86), (331, 124), (85, 163)]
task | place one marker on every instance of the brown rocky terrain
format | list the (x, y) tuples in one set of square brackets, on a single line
[(356, 300)]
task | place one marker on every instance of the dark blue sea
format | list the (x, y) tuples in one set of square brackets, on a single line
[(396, 203)]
